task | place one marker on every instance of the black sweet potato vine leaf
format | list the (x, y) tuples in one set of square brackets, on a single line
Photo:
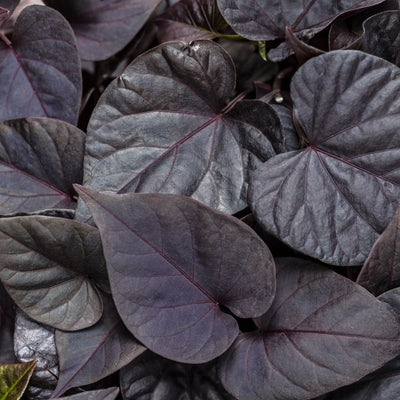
[(102, 28), (164, 126), (40, 69), (40, 159), (332, 199), (322, 331), (263, 20), (172, 263), (46, 263)]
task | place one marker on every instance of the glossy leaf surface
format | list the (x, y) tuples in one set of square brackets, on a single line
[(151, 377), (40, 159), (190, 20), (14, 378), (263, 20), (46, 264), (92, 354), (7, 315), (315, 199), (172, 263), (161, 127), (322, 331), (103, 27), (102, 394), (381, 270), (41, 70), (34, 341)]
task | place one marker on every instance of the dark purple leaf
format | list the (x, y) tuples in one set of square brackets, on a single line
[(7, 315), (41, 70), (151, 377), (347, 103), (190, 20), (9, 4), (322, 331), (163, 126), (45, 267), (102, 394), (381, 36), (263, 20), (92, 354), (103, 27), (34, 341), (172, 263), (381, 270), (40, 159)]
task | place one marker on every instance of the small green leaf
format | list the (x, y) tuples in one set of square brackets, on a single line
[(14, 379), (262, 50)]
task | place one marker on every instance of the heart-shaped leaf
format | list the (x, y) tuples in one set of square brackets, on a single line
[(172, 263), (40, 69), (153, 377), (322, 332), (45, 267), (92, 354), (266, 20), (190, 20), (163, 126), (14, 378), (40, 159), (102, 28), (381, 270), (102, 394), (7, 315), (315, 199), (34, 341)]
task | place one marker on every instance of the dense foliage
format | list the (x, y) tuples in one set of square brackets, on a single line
[(199, 199)]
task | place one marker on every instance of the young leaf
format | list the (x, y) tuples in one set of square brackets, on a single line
[(152, 377), (92, 354), (263, 20), (172, 263), (322, 331), (41, 69), (45, 266), (14, 378), (40, 159), (102, 28), (102, 394), (34, 341), (334, 198), (381, 270), (163, 126), (189, 20), (7, 315)]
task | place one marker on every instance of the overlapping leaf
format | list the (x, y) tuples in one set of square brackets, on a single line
[(152, 377), (34, 341), (381, 270), (102, 28), (163, 126), (89, 355), (40, 159), (190, 20), (334, 198), (45, 266), (172, 263), (322, 332), (14, 378), (263, 20), (40, 71)]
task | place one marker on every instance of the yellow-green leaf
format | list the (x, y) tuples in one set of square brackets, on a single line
[(14, 379)]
